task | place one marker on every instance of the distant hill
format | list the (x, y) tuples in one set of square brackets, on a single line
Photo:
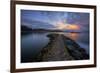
[(34, 24), (46, 30), (25, 28)]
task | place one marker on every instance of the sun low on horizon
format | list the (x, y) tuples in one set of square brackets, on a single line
[(56, 20), (63, 26)]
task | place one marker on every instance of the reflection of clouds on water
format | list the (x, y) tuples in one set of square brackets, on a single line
[(31, 45), (73, 36)]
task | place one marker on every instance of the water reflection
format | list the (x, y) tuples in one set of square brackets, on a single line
[(73, 36), (32, 44)]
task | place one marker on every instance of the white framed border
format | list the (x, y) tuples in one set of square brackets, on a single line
[(56, 63)]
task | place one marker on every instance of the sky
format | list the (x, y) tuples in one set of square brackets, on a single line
[(60, 20)]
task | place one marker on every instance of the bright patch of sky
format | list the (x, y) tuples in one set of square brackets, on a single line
[(55, 17)]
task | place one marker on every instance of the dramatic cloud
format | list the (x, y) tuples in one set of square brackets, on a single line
[(61, 20)]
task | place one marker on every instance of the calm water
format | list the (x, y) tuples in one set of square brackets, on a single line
[(32, 44)]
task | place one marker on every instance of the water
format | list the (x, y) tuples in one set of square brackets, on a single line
[(33, 43), (81, 38)]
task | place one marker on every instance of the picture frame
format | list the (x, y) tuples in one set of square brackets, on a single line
[(21, 9)]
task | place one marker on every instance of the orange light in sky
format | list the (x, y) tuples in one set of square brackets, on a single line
[(72, 27), (61, 26), (68, 26)]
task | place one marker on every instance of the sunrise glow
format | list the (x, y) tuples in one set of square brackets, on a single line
[(73, 27), (60, 25), (68, 26)]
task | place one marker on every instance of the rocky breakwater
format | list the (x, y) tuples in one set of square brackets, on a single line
[(61, 48)]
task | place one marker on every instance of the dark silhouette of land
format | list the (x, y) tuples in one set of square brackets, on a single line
[(25, 28), (28, 29)]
